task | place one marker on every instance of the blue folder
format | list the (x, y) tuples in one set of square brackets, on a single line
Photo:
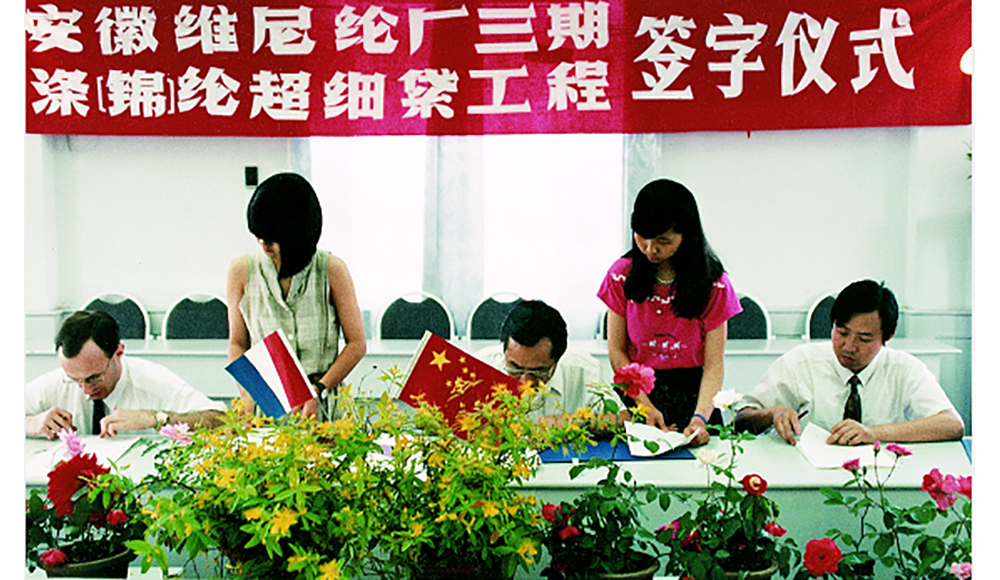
[(604, 451)]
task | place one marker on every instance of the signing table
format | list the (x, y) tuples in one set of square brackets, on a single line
[(792, 480)]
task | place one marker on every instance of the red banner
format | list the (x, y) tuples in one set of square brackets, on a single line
[(322, 67)]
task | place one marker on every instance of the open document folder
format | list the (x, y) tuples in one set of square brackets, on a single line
[(812, 444), (643, 435)]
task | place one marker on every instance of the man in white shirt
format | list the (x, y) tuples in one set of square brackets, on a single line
[(98, 390), (861, 390), (533, 349)]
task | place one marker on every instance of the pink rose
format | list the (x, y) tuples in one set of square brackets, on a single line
[(853, 465), (965, 486), (941, 488), (178, 432), (774, 529), (898, 449), (822, 557), (636, 378), (961, 571), (54, 557)]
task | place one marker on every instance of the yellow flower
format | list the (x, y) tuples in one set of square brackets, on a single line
[(330, 571), (444, 517), (521, 470), (510, 509), (253, 514), (416, 528), (490, 509), (435, 460), (284, 519), (292, 560), (344, 428), (226, 476), (466, 422), (527, 550), (583, 414)]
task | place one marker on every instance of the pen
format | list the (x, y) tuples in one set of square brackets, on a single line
[(803, 413)]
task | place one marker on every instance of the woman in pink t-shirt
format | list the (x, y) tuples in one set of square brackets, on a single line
[(668, 302)]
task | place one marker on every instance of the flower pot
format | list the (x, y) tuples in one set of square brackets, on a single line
[(647, 573), (764, 574), (111, 567)]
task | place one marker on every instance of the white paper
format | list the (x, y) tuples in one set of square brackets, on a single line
[(812, 444), (667, 440), (39, 462)]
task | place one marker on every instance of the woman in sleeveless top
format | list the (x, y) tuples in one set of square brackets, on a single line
[(668, 301), (292, 286)]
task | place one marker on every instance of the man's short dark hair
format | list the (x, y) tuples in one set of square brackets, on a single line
[(84, 325), (532, 320), (866, 296)]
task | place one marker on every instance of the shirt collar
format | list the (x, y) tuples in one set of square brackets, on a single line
[(866, 373)]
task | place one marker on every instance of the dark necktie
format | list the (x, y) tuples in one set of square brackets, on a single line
[(98, 415), (852, 410)]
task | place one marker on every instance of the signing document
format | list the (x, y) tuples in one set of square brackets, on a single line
[(650, 441), (812, 444)]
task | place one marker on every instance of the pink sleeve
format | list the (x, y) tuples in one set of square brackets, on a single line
[(723, 304), (612, 291)]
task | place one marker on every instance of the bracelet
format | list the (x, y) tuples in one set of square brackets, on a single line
[(703, 420)]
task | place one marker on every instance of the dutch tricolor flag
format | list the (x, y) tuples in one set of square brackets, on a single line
[(273, 376)]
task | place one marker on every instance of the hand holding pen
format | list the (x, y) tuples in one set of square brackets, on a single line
[(787, 423)]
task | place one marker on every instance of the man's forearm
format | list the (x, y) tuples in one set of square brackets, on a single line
[(197, 419)]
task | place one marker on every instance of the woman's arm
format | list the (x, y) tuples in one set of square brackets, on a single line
[(618, 356), (349, 314), (239, 336), (711, 382)]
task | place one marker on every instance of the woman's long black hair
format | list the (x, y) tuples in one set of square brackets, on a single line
[(284, 209), (664, 205)]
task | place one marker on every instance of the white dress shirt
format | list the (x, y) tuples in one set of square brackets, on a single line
[(895, 387), (143, 385), (576, 382)]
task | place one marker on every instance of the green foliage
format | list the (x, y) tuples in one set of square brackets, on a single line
[(919, 542)]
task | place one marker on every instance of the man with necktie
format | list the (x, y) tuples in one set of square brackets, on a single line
[(861, 390), (98, 390)]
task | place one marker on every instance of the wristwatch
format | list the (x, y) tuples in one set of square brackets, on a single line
[(161, 419)]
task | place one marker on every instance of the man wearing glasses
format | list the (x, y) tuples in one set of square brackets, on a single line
[(533, 350), (100, 391)]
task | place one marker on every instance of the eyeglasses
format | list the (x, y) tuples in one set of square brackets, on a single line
[(540, 374), (95, 378)]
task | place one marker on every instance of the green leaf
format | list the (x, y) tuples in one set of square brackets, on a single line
[(882, 545)]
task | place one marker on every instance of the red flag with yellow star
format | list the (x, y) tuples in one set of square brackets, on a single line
[(443, 375)]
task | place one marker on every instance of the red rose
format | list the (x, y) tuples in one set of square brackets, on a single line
[(560, 567), (116, 517), (637, 379), (69, 476), (852, 465), (822, 557), (754, 485), (53, 557), (550, 512), (568, 532), (774, 529), (692, 543)]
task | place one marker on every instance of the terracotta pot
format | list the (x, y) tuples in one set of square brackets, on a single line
[(756, 574), (112, 567), (647, 573)]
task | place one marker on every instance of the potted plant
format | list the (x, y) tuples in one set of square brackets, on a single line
[(449, 503), (930, 541), (80, 525), (601, 533), (277, 499), (732, 526)]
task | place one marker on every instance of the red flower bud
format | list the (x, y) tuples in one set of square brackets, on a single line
[(568, 532), (754, 485), (54, 557)]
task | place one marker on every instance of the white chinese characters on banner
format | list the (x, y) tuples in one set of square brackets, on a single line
[(665, 48), (884, 38), (127, 30), (740, 39), (794, 41), (213, 28), (62, 92), (286, 30), (52, 29), (283, 96)]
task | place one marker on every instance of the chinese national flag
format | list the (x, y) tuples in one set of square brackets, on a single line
[(450, 379)]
